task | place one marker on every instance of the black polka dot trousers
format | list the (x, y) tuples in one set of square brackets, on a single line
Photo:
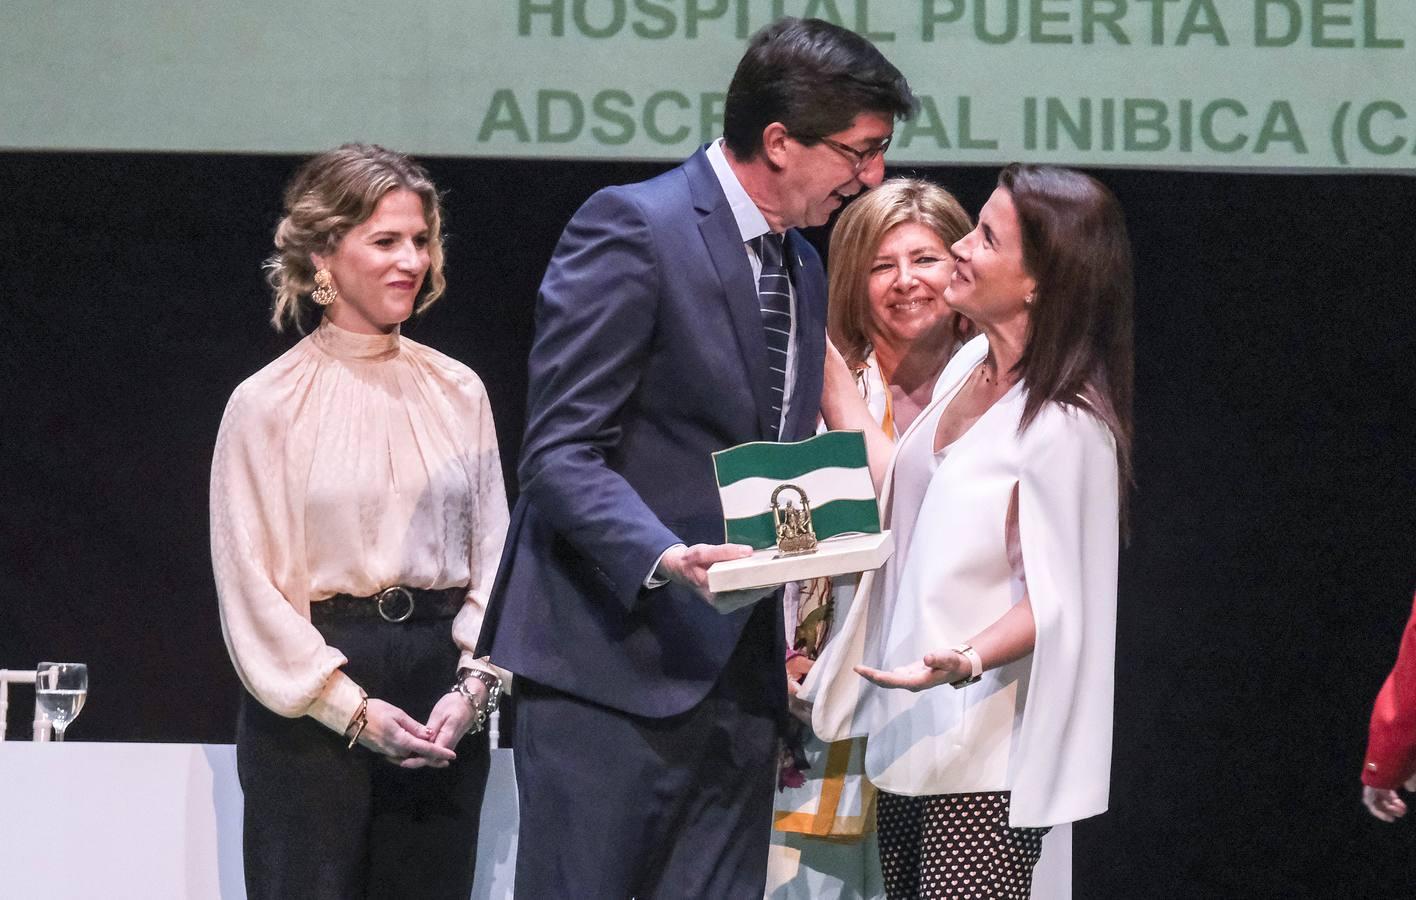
[(955, 845)]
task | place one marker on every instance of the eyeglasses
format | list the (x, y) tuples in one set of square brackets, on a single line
[(859, 158)]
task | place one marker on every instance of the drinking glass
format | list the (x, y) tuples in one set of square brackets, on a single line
[(60, 690)]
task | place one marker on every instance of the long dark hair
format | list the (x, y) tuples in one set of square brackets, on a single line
[(1079, 347)]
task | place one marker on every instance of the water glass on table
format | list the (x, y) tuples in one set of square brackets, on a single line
[(60, 690)]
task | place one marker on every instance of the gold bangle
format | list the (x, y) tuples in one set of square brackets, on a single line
[(361, 714), (357, 731), (360, 719)]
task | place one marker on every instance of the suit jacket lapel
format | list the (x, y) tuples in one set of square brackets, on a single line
[(810, 341), (725, 248)]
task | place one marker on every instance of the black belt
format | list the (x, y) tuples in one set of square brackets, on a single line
[(394, 604)]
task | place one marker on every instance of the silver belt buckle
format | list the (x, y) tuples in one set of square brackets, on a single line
[(388, 594)]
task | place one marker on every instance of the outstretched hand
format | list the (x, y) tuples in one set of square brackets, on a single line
[(935, 669)]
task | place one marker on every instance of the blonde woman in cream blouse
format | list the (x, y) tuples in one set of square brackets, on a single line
[(357, 515), (1004, 498)]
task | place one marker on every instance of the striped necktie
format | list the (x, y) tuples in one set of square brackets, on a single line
[(774, 293)]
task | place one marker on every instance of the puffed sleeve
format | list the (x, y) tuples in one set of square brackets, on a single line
[(256, 545), (489, 524), (1068, 527), (1391, 739)]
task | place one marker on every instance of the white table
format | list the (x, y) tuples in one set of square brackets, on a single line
[(163, 822)]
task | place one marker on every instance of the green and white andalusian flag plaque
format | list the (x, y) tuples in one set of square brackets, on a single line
[(831, 472)]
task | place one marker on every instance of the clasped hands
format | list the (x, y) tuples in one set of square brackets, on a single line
[(410, 744)]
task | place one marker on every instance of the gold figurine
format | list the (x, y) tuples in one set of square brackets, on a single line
[(795, 536)]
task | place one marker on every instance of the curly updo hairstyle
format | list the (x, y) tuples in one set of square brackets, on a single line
[(331, 194)]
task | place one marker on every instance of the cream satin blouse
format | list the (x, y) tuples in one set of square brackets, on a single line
[(349, 464)]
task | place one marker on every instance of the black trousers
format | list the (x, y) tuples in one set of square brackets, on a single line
[(616, 806), (322, 821)]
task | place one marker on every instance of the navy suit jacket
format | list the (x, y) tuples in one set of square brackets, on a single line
[(649, 355)]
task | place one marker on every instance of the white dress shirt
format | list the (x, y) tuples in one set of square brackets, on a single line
[(752, 225)]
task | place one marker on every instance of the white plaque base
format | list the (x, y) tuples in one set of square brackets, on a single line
[(834, 556)]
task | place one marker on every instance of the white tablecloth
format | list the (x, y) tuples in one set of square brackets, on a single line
[(162, 822)]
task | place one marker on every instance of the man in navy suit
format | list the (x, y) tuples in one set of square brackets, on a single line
[(678, 316)]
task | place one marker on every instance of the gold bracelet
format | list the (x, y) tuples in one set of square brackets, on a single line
[(361, 718), (357, 731)]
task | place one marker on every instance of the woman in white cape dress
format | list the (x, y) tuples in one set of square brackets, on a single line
[(1004, 496)]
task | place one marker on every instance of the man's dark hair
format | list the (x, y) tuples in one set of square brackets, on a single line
[(814, 78)]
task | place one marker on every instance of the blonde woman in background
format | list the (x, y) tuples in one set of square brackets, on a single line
[(889, 266), (357, 515)]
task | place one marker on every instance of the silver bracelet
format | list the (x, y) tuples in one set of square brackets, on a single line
[(494, 688)]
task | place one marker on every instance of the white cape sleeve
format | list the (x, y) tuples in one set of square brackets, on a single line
[(1068, 526)]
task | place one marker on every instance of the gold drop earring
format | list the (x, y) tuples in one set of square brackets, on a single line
[(324, 292)]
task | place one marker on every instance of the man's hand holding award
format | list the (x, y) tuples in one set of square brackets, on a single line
[(690, 566), (805, 510)]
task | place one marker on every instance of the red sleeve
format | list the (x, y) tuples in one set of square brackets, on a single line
[(1391, 741)]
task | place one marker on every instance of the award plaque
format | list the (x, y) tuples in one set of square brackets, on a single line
[(807, 509)]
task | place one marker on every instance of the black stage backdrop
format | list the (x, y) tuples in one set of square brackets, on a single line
[(1269, 574)]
